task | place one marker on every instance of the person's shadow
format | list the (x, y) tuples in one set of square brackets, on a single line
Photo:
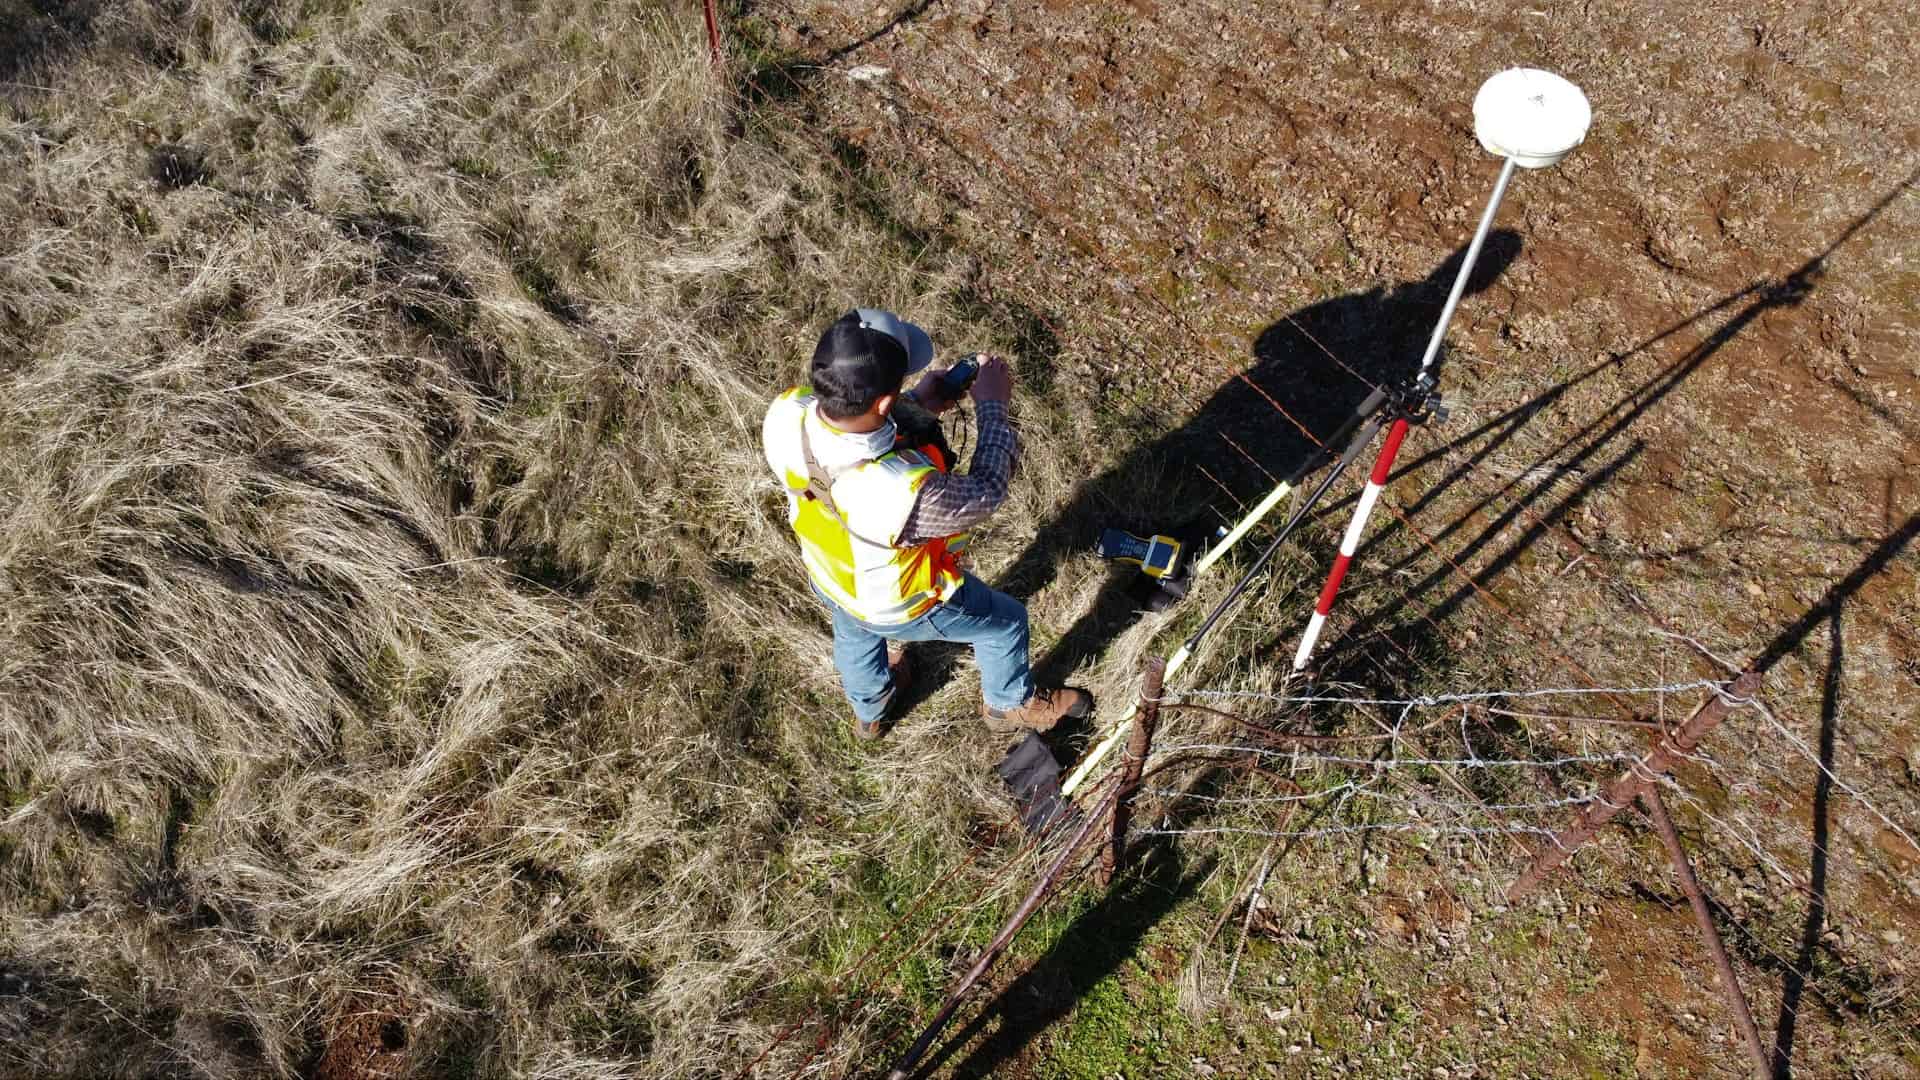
[(1309, 372)]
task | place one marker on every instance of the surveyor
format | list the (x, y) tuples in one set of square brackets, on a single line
[(882, 520)]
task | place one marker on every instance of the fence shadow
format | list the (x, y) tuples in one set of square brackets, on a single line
[(1794, 988), (1556, 485), (1798, 981), (1098, 941)]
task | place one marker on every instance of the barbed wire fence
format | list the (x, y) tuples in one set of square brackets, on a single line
[(1395, 781)]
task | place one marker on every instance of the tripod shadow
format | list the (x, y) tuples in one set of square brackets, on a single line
[(1309, 371), (1562, 478), (1574, 457)]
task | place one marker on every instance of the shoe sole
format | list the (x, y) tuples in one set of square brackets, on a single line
[(1008, 727)]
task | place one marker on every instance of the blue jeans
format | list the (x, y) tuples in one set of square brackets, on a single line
[(994, 623)]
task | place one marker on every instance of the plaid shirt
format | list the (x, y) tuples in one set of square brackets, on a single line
[(955, 502)]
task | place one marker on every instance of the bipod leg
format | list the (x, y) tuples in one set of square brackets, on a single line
[(1360, 440), (1320, 456), (1112, 739)]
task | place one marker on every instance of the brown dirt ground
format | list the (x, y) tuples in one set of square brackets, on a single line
[(1710, 325), (1656, 981), (365, 1040)]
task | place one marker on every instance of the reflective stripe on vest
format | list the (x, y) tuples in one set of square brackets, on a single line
[(854, 562)]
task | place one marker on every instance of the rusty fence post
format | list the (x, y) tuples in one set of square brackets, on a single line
[(713, 35), (1139, 745), (1729, 982), (1005, 937), (1672, 748)]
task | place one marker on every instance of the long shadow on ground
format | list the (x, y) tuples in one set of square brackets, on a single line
[(1309, 371), (1285, 379), (1103, 937), (1098, 942), (1537, 497), (1794, 990), (1799, 980)]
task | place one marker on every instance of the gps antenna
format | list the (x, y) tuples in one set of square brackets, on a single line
[(1531, 118)]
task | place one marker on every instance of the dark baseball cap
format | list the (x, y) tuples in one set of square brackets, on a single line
[(868, 352)]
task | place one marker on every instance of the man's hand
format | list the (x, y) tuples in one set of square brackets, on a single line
[(995, 381), (927, 392)]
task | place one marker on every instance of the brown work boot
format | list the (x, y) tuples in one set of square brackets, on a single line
[(1041, 712), (902, 673)]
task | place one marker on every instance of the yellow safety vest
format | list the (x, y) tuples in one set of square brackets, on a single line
[(849, 540)]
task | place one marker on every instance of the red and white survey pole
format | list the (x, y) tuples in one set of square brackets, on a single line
[(1532, 119)]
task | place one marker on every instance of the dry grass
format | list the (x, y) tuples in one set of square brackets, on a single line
[(392, 604), (399, 646)]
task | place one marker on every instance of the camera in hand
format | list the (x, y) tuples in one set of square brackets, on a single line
[(958, 379)]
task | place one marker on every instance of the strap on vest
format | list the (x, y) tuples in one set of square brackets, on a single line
[(820, 489)]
